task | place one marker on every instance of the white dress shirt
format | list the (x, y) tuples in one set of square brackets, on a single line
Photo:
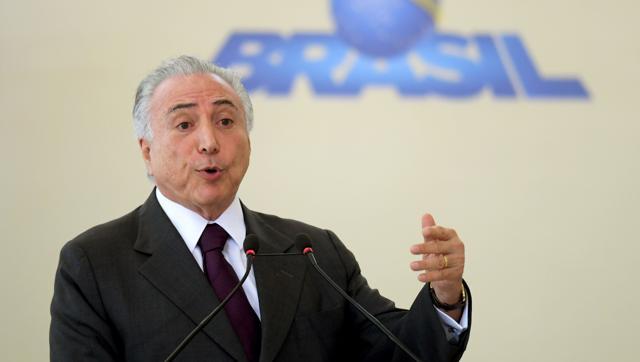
[(190, 226)]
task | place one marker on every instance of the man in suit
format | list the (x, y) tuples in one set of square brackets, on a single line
[(132, 288)]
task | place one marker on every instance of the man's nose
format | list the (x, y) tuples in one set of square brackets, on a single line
[(208, 142)]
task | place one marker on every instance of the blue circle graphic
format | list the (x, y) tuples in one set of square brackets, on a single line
[(383, 28)]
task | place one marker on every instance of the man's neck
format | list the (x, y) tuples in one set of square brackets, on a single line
[(208, 212)]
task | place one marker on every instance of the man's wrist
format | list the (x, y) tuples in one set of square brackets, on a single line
[(462, 300)]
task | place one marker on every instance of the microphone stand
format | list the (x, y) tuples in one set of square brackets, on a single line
[(213, 313), (308, 251)]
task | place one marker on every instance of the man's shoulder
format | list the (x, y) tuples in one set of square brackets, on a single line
[(109, 235), (323, 239), (290, 226)]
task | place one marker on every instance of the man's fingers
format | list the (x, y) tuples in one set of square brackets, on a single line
[(437, 247), (438, 233), (437, 262), (430, 247), (428, 220), (442, 253)]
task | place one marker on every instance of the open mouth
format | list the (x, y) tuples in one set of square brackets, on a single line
[(211, 170)]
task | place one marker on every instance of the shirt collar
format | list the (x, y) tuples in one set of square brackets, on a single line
[(190, 224)]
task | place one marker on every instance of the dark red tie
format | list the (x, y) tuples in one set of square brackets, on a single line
[(222, 278)]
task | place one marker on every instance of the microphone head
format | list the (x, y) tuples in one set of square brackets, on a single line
[(303, 243), (251, 244)]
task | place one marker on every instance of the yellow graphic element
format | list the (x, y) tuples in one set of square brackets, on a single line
[(430, 6)]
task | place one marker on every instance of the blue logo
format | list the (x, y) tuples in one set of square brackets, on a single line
[(393, 44), (383, 28)]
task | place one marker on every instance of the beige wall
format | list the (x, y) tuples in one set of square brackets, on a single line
[(545, 193)]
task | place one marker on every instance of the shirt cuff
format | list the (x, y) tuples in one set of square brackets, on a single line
[(452, 328)]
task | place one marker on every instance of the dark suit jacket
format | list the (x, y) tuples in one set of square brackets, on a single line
[(130, 290)]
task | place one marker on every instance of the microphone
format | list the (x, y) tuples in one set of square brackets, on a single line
[(250, 246), (303, 243)]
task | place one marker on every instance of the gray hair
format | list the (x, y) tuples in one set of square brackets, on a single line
[(182, 65)]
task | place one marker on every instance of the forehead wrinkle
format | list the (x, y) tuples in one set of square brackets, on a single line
[(197, 92)]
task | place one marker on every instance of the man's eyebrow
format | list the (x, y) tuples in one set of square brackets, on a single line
[(180, 106), (217, 102), (220, 102)]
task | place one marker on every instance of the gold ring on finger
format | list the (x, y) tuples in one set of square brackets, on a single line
[(443, 262)]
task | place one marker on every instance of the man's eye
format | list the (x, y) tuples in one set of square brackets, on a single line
[(184, 125), (226, 122)]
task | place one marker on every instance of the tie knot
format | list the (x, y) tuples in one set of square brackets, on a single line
[(213, 238)]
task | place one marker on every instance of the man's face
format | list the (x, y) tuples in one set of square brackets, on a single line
[(200, 148)]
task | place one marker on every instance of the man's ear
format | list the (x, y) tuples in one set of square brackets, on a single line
[(145, 150)]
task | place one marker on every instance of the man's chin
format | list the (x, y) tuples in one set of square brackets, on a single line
[(215, 202)]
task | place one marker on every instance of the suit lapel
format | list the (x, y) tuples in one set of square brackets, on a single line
[(172, 269), (279, 282)]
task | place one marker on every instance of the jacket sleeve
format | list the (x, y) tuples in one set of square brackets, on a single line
[(419, 328), (80, 329)]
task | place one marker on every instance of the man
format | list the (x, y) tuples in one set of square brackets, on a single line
[(132, 288)]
